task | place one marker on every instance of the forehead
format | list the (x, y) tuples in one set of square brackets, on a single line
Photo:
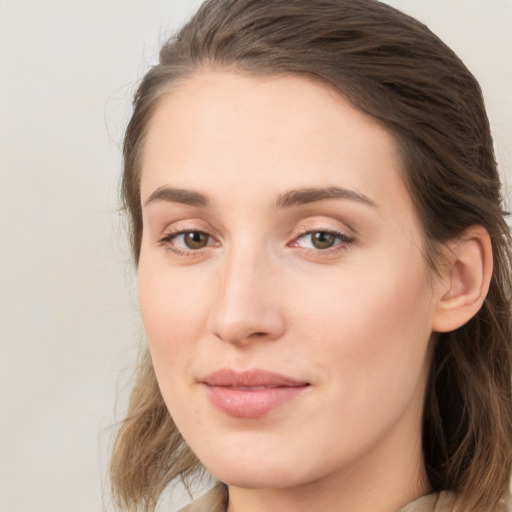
[(260, 136)]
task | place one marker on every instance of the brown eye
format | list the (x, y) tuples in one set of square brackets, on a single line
[(322, 239), (195, 239)]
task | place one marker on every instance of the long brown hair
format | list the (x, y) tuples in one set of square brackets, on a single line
[(393, 68)]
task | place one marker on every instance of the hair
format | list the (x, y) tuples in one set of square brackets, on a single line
[(393, 68)]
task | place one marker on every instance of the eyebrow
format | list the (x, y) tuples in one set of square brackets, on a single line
[(295, 197), (178, 195), (310, 195)]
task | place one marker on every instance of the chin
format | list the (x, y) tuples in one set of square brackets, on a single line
[(256, 469), (259, 476)]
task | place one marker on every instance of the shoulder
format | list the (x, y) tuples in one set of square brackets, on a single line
[(443, 502), (215, 500), (434, 502)]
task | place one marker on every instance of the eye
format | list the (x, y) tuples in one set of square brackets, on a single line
[(194, 239), (321, 240), (187, 240)]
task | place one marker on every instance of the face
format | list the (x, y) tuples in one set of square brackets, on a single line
[(287, 305)]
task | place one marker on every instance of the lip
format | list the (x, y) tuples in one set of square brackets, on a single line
[(250, 394)]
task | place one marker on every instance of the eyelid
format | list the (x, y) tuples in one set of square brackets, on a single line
[(174, 233), (344, 237), (306, 227), (312, 225), (185, 224), (183, 227)]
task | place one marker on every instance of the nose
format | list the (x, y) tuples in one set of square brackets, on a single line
[(247, 306)]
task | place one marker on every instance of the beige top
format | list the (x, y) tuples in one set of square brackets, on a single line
[(216, 501)]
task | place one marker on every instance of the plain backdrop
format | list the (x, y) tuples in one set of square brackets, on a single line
[(69, 327)]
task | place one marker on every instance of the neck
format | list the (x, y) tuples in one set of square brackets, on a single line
[(375, 482), (331, 496)]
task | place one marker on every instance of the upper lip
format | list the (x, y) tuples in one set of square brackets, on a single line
[(227, 377)]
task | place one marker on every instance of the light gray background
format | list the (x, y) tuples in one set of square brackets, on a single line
[(69, 323)]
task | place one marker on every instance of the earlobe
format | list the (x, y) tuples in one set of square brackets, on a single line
[(467, 276)]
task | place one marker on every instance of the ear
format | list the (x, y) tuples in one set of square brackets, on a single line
[(465, 281)]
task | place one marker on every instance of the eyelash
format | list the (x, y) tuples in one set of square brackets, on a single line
[(167, 240), (343, 241)]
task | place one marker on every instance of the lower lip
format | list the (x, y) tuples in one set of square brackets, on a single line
[(251, 403)]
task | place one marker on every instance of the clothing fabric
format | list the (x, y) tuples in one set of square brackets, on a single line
[(216, 501)]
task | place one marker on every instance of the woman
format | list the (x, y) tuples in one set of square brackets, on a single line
[(324, 267)]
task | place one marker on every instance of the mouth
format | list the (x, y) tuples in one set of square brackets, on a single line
[(250, 394)]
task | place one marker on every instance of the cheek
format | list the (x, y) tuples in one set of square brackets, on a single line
[(171, 300), (173, 306), (371, 328)]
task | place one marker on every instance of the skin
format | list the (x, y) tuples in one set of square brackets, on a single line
[(354, 320)]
